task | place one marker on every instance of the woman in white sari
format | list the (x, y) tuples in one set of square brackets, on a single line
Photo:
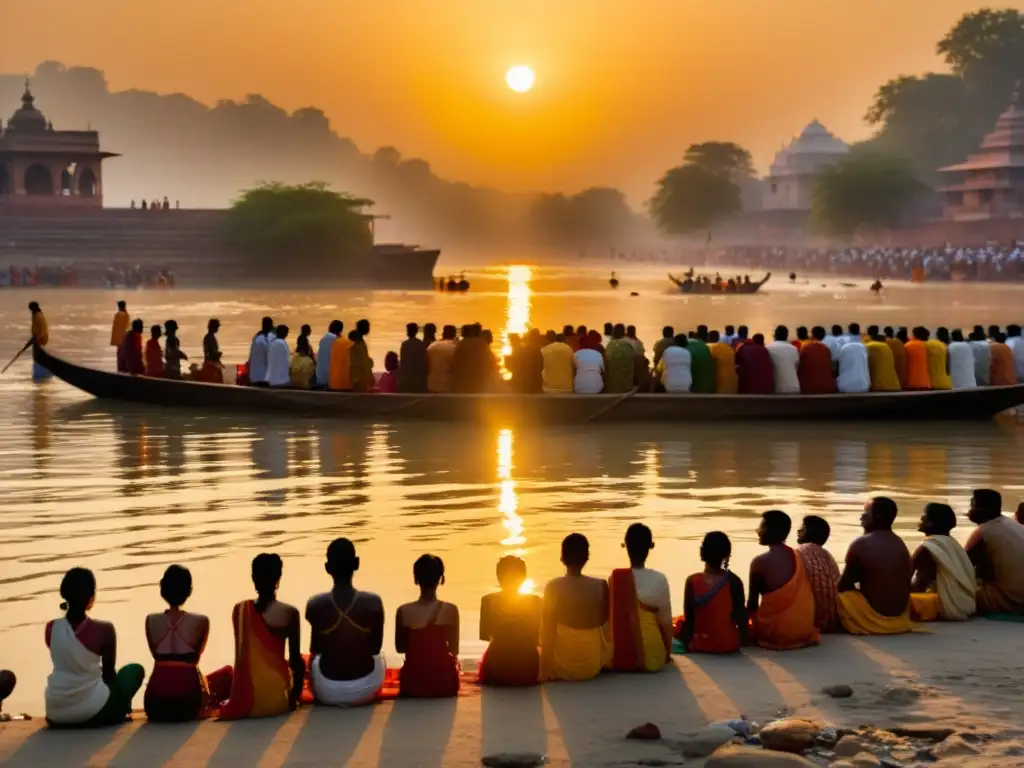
[(84, 690)]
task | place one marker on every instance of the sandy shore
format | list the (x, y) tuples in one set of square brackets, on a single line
[(965, 677)]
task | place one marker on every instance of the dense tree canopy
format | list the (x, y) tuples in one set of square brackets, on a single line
[(594, 216), (937, 119), (300, 227), (703, 190), (865, 190)]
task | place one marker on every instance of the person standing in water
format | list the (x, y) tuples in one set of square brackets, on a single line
[(85, 688), (122, 321)]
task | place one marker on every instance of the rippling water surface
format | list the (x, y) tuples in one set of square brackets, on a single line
[(128, 490)]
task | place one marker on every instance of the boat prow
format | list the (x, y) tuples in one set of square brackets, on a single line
[(979, 403)]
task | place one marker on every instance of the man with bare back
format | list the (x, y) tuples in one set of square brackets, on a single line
[(347, 625), (874, 590)]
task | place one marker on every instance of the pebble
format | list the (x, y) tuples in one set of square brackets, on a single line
[(852, 744), (954, 746), (838, 691), (731, 756), (865, 760), (513, 760), (900, 694), (790, 735), (645, 732)]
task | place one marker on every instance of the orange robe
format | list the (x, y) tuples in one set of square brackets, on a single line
[(917, 365), (1002, 371), (724, 357), (899, 359), (785, 619), (119, 328), (263, 680), (340, 374), (714, 628), (817, 376), (937, 372)]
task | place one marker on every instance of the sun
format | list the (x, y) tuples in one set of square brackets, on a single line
[(520, 78)]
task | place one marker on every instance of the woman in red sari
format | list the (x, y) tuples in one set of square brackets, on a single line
[(427, 632), (266, 682), (715, 613), (510, 622), (177, 690)]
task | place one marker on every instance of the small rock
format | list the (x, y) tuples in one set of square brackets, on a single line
[(703, 743), (645, 732), (954, 746), (900, 694), (790, 735), (853, 744), (838, 691), (513, 760), (828, 737), (865, 760), (731, 756)]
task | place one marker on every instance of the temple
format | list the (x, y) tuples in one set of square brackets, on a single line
[(790, 181), (45, 169), (990, 183)]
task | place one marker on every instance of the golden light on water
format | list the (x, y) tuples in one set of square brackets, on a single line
[(508, 503), (517, 310)]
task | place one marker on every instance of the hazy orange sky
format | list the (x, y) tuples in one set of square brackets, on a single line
[(623, 86)]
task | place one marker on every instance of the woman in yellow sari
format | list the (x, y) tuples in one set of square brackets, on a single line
[(265, 682), (641, 609)]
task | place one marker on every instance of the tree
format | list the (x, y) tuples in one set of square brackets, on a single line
[(986, 49), (594, 216), (303, 228), (691, 197), (721, 157), (864, 189)]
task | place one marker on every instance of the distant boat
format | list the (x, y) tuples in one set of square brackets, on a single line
[(689, 285), (613, 281), (401, 264)]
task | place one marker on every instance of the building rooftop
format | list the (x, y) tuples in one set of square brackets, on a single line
[(27, 118), (1003, 147), (814, 144)]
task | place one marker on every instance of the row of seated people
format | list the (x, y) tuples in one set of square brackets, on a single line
[(582, 625)]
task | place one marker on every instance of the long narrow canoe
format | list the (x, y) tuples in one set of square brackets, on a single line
[(950, 405)]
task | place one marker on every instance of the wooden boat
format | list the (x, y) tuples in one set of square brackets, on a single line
[(693, 287), (948, 405)]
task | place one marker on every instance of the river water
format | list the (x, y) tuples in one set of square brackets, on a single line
[(128, 490)]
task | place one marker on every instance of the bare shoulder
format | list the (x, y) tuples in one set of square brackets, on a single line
[(318, 600), (450, 610), (370, 599)]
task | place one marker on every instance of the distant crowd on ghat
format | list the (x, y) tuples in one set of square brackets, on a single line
[(994, 263), (581, 626), (578, 360)]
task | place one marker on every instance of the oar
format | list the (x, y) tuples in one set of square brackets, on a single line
[(15, 358)]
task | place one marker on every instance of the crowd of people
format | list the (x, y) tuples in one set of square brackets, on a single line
[(581, 627), (78, 274), (993, 263), (44, 275), (156, 204), (583, 361)]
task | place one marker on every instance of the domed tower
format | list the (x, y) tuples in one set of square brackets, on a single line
[(791, 177), (990, 183), (44, 169)]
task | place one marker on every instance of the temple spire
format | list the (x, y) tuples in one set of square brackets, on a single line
[(27, 99)]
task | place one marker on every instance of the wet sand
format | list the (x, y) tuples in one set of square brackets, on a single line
[(960, 676)]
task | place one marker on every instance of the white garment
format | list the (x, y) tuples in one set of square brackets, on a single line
[(258, 358), (589, 369), (75, 691), (652, 590), (1016, 345), (961, 365), (853, 368), (279, 364), (347, 693), (982, 362), (785, 361), (850, 338), (956, 582), (678, 371), (834, 344), (323, 358)]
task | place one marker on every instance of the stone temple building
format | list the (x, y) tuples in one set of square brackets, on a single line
[(990, 183), (790, 179), (45, 169)]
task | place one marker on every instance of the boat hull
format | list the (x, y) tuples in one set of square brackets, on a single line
[(948, 405)]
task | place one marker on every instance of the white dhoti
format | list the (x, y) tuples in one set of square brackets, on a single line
[(347, 693)]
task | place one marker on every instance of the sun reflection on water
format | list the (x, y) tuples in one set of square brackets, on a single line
[(517, 312)]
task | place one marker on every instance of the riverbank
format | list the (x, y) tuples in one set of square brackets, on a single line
[(962, 677)]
